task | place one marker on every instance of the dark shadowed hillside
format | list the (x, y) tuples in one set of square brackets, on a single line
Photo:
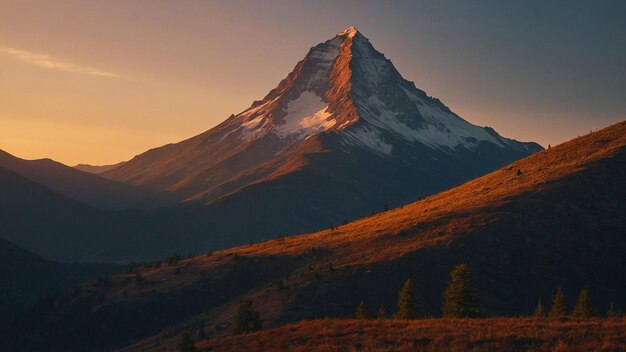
[(58, 228), (26, 278), (76, 184), (553, 219)]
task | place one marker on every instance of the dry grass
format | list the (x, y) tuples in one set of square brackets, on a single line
[(438, 218), (492, 334)]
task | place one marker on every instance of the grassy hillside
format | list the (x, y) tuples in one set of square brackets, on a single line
[(26, 278), (469, 335), (554, 219)]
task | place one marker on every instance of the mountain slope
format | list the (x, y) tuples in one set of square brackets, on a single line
[(26, 278), (58, 228), (552, 219), (96, 169), (72, 183), (341, 135)]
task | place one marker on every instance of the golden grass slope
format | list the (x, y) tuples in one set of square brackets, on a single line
[(376, 237), (430, 335), (436, 221)]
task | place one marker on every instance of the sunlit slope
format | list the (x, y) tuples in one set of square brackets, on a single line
[(495, 334)]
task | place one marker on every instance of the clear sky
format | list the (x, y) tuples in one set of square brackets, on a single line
[(101, 81)]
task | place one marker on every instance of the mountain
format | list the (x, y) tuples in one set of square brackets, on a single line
[(78, 185), (341, 135), (553, 219), (59, 228), (279, 168), (26, 278), (97, 169)]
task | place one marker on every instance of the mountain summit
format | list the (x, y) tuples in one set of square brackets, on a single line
[(342, 134), (344, 84)]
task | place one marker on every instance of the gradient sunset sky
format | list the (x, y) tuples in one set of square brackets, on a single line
[(101, 81)]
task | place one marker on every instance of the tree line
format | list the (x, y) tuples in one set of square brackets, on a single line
[(582, 309), (460, 300)]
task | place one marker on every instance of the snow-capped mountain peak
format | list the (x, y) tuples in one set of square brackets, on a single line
[(345, 85), (350, 32), (343, 120)]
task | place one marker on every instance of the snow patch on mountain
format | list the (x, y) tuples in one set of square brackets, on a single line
[(306, 115), (323, 56), (389, 103), (392, 111), (254, 109), (440, 130), (365, 136), (254, 121), (447, 128), (256, 130)]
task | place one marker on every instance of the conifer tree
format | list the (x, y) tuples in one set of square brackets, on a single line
[(611, 313), (540, 312), (460, 299), (186, 343), (558, 304), (247, 319), (361, 311), (582, 309), (407, 302)]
